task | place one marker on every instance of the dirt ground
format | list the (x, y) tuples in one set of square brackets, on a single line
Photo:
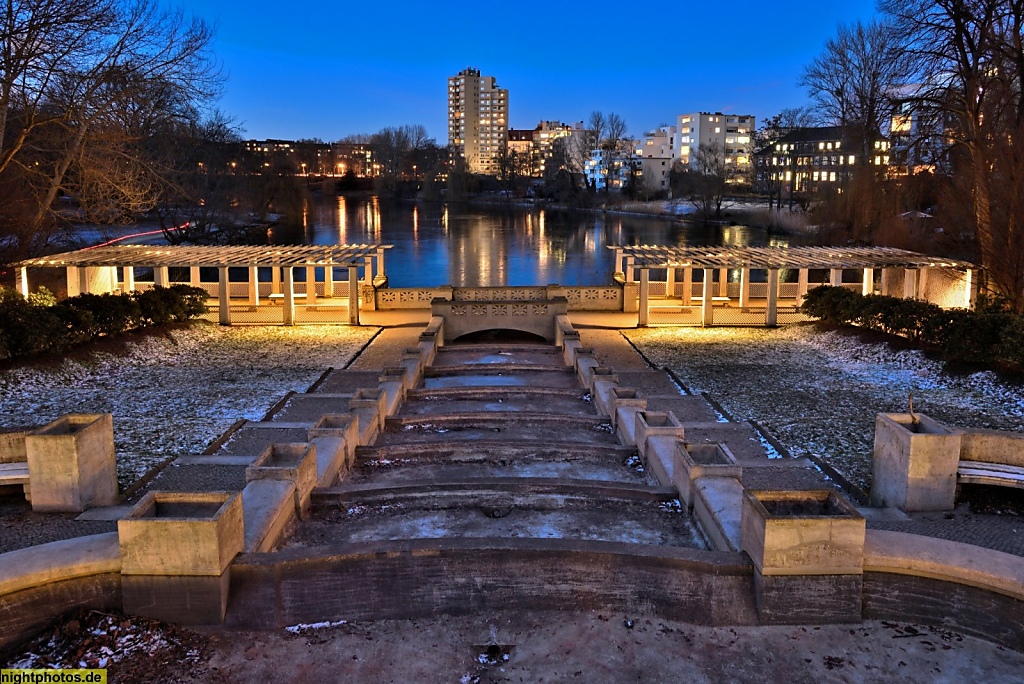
[(553, 647)]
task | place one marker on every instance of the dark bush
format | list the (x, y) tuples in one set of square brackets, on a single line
[(26, 329), (192, 302), (835, 305), (111, 314)]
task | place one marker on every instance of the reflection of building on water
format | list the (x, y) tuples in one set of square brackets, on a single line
[(478, 252)]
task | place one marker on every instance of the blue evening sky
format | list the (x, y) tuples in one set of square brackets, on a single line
[(329, 69)]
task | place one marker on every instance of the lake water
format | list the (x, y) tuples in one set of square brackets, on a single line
[(472, 247)]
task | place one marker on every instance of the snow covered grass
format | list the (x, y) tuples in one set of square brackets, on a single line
[(172, 395), (819, 391)]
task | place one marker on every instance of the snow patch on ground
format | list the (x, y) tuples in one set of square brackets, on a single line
[(818, 392), (172, 395)]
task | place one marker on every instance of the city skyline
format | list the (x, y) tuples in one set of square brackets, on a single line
[(356, 69)]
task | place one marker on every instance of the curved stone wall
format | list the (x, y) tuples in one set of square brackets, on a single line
[(409, 579)]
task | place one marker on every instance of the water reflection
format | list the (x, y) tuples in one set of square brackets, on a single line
[(463, 246)]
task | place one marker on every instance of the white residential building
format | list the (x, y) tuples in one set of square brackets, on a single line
[(657, 152), (732, 133), (477, 119), (610, 168)]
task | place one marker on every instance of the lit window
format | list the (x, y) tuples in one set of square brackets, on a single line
[(851, 160), (821, 146), (718, 129), (832, 176)]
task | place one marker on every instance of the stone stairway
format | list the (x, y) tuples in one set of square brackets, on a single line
[(498, 441)]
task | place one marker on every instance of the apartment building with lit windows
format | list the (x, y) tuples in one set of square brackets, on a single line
[(657, 153), (477, 119), (538, 144), (732, 133), (807, 160)]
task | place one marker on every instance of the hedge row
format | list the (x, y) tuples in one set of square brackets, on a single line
[(41, 324), (988, 334)]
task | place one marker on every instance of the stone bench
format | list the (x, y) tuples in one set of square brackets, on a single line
[(997, 474), (14, 474)]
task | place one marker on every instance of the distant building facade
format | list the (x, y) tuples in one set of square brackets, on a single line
[(733, 134), (807, 160), (610, 169), (538, 144), (657, 153), (477, 119)]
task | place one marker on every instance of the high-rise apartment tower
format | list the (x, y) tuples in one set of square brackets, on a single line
[(477, 119)]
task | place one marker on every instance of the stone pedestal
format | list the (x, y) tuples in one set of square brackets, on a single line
[(808, 553), (655, 423), (343, 425), (701, 460), (176, 548), (72, 465), (293, 462), (915, 463), (371, 398)]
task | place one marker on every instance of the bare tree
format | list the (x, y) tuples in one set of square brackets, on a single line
[(704, 182), (84, 84), (968, 54), (855, 77)]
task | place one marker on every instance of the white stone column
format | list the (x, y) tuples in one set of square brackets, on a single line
[(160, 276), (670, 281), (629, 269), (129, 278), (380, 261), (254, 285), (83, 280), (23, 281), (368, 270), (74, 282), (275, 279), (910, 283), (311, 285), (329, 280), (801, 284), (886, 281), (645, 297), (193, 276), (970, 289), (723, 282), (707, 312), (223, 296), (922, 283), (744, 288), (868, 286), (289, 296), (835, 277), (687, 294), (619, 269), (771, 318), (353, 295)]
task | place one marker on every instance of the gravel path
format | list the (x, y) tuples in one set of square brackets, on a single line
[(819, 391), (172, 395)]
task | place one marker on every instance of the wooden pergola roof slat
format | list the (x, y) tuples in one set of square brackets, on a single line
[(180, 256), (656, 256)]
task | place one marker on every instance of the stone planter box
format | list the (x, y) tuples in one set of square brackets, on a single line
[(293, 462), (701, 460), (341, 425), (625, 396), (182, 533), (371, 398), (655, 423), (915, 463), (72, 464), (802, 533)]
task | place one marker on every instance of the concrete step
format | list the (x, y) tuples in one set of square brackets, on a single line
[(435, 431), (267, 508), (718, 506), (495, 451), (543, 492), (398, 472)]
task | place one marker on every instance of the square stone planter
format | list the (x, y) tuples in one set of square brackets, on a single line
[(72, 464), (915, 463), (371, 398), (341, 425), (655, 423), (293, 462), (701, 460), (802, 533), (182, 533), (625, 396)]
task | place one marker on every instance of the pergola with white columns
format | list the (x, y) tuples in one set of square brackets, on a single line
[(96, 270), (911, 275)]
